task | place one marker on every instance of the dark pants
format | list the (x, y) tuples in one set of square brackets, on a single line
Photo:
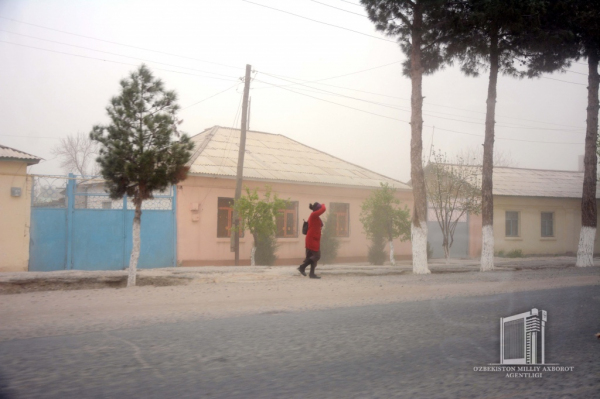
[(312, 257)]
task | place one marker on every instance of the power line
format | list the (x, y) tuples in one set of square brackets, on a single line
[(400, 98), (120, 55), (401, 120), (505, 138), (30, 137), (504, 116), (341, 9), (58, 138), (114, 62), (354, 4), (578, 73), (117, 43), (337, 94), (565, 81), (333, 77), (320, 22), (207, 98), (479, 122), (332, 102)]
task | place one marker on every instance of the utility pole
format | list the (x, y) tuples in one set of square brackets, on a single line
[(249, 111), (240, 165)]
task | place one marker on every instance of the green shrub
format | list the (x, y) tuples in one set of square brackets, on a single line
[(515, 253), (500, 253), (266, 249), (377, 253), (329, 243)]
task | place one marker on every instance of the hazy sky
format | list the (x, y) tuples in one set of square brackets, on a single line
[(62, 62)]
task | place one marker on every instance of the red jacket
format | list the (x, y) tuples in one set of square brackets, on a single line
[(313, 236)]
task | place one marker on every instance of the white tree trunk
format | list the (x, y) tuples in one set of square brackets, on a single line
[(252, 260), (135, 251), (392, 260), (585, 250), (487, 249), (447, 254), (419, 247)]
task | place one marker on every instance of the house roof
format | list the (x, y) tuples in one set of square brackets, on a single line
[(276, 158), (538, 183), (521, 182), (10, 154)]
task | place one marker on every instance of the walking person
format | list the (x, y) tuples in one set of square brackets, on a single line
[(313, 240)]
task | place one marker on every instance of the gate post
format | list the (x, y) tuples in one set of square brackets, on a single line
[(70, 207), (174, 212), (124, 221)]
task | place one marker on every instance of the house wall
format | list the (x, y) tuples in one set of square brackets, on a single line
[(197, 242), (14, 217), (567, 226)]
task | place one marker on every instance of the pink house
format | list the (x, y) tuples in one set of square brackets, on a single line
[(295, 172)]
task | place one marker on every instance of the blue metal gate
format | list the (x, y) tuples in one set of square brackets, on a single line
[(75, 225)]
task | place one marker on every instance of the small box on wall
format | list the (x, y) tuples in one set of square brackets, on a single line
[(15, 191)]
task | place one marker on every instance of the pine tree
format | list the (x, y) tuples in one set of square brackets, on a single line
[(506, 37), (138, 154), (419, 27), (581, 18)]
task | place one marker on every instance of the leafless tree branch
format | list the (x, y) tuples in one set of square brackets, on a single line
[(77, 154)]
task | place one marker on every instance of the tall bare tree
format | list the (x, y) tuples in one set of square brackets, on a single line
[(453, 190), (77, 154), (474, 156)]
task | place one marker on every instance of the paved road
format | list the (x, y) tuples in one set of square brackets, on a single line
[(422, 349)]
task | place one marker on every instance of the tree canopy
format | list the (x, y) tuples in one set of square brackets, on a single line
[(139, 154), (382, 215)]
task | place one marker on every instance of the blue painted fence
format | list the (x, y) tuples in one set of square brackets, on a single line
[(75, 225)]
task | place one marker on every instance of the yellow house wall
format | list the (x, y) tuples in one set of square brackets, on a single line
[(197, 242), (14, 217), (567, 225)]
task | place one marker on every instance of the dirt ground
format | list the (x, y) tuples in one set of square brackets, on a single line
[(63, 303)]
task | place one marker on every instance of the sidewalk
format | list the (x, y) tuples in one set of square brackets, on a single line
[(12, 283), (68, 302)]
